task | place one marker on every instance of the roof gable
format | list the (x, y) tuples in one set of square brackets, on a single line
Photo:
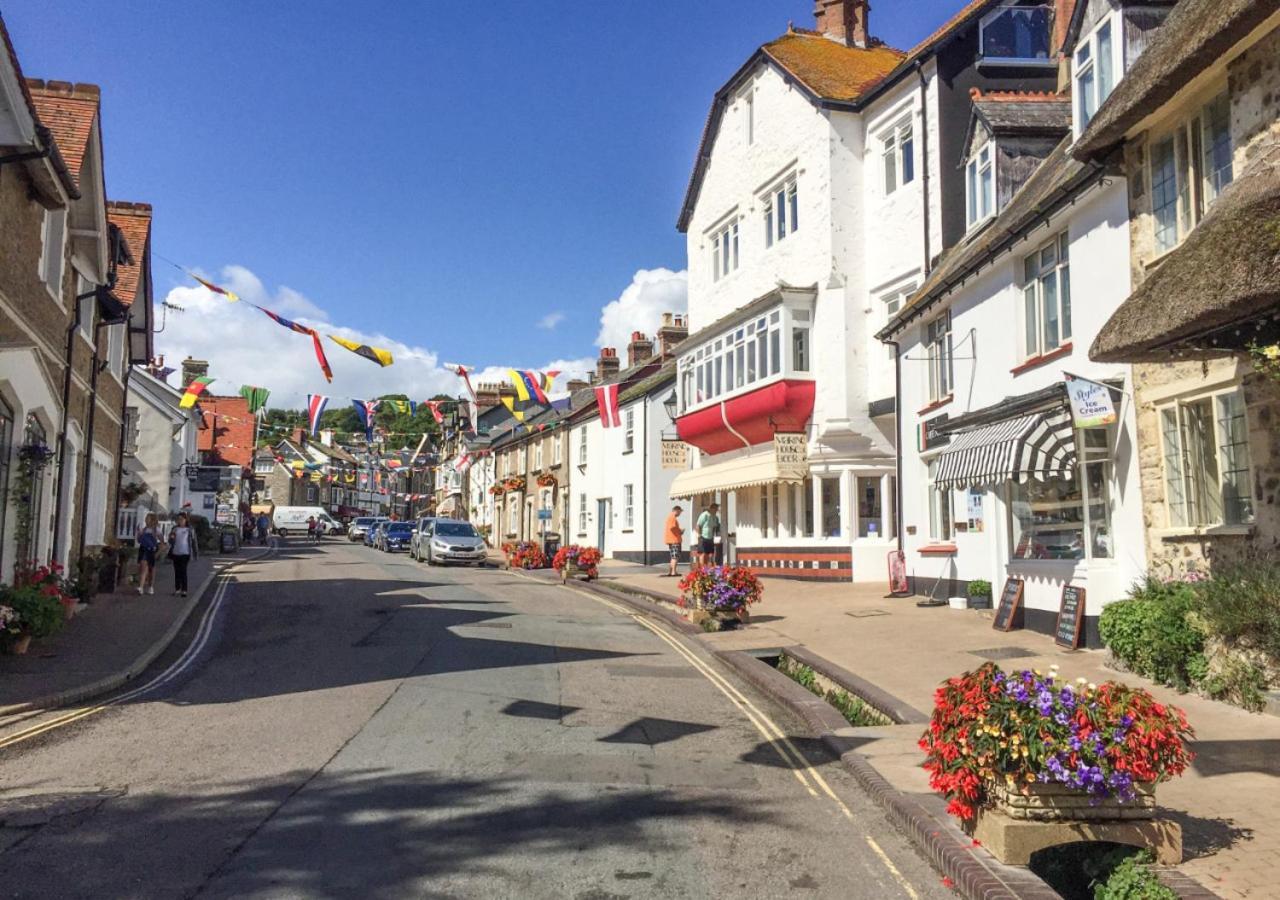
[(134, 222), (70, 112)]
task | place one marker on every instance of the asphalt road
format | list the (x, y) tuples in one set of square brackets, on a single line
[(350, 724)]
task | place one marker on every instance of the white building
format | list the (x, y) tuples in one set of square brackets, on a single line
[(159, 441), (996, 481)]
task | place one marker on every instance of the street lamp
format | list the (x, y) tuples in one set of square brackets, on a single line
[(670, 405)]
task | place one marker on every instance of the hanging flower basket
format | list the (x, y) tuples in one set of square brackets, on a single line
[(1038, 747), (511, 485), (497, 490), (546, 480), (574, 560)]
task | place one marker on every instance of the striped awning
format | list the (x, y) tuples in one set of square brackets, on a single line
[(1039, 445)]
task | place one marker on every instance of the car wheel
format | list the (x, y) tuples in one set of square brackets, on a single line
[(283, 532)]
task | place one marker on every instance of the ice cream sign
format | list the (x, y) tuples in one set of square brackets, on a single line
[(1091, 403)]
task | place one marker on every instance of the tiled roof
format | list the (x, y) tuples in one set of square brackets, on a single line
[(227, 430), (134, 222), (829, 69), (45, 135), (1195, 35), (17, 68), (966, 14), (68, 111), (1009, 111)]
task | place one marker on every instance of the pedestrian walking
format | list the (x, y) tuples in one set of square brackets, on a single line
[(673, 536), (247, 527), (148, 540), (264, 525), (708, 527), (182, 549), (311, 528)]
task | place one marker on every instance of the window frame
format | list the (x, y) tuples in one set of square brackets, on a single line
[(1195, 188), (725, 245), (894, 160), (974, 195), (1092, 66), (784, 196), (582, 513), (992, 15), (1033, 294), (53, 281), (938, 376), (941, 508), (1090, 457), (628, 507), (629, 430), (1178, 404), (582, 446)]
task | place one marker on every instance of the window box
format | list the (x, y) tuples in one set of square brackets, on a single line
[(942, 401)]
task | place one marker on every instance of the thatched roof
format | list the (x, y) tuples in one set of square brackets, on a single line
[(1224, 278), (1194, 36)]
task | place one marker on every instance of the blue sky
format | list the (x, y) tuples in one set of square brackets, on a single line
[(445, 173)]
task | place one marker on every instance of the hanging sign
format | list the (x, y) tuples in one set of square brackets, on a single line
[(675, 455), (1091, 404), (791, 453)]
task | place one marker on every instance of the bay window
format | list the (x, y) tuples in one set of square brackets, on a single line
[(1205, 445), (1188, 170), (745, 356), (980, 185), (1046, 294), (1066, 518)]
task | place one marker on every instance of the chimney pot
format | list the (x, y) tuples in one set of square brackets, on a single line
[(193, 369), (844, 21)]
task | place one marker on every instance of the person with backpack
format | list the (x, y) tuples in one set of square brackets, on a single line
[(708, 526), (148, 539), (183, 549)]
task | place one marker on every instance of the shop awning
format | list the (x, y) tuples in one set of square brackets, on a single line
[(1037, 445), (746, 471)]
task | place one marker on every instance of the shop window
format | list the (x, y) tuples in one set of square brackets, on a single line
[(1188, 170), (870, 507), (1206, 462), (830, 486), (764, 512), (1046, 293), (775, 509), (939, 508), (1066, 518)]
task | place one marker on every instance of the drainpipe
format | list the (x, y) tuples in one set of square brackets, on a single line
[(897, 437), (68, 365), (924, 175), (644, 476)]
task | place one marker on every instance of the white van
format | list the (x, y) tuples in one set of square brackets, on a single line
[(294, 518)]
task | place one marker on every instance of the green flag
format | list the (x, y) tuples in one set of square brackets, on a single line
[(256, 396)]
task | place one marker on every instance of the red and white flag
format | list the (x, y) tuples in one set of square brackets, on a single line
[(463, 463), (607, 402)]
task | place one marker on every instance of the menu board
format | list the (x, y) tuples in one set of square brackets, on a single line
[(1070, 617), (1009, 610)]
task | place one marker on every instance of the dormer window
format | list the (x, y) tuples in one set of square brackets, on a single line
[(980, 180), (1016, 35), (1093, 74)]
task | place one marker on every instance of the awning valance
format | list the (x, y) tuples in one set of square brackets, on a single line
[(746, 471), (1037, 445)]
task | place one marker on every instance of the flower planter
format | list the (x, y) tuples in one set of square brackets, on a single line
[(19, 645), (1039, 802)]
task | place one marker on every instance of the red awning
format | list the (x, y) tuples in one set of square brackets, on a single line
[(783, 405)]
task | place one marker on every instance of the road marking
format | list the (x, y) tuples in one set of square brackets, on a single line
[(767, 728), (176, 668)]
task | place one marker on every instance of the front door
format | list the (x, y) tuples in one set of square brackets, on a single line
[(602, 523)]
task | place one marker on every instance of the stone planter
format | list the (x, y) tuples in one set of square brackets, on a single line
[(572, 571), (1059, 803)]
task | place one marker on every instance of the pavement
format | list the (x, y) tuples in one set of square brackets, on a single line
[(333, 722), (1225, 802), (109, 641)]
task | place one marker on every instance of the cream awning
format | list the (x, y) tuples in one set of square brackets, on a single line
[(746, 471)]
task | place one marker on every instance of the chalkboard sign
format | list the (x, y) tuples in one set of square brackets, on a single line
[(1009, 610), (1070, 617)]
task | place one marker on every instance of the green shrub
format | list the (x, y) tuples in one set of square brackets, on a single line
[(1241, 605), (1132, 879), (978, 588), (40, 614), (1155, 633), (206, 537), (1237, 681), (855, 710)]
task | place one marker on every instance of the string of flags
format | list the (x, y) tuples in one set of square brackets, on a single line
[(194, 390)]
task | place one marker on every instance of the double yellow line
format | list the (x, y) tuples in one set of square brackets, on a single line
[(790, 755)]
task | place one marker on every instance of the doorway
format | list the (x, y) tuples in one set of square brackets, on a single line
[(602, 522)]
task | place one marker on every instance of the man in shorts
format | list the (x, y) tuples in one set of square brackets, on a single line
[(708, 525), (673, 536)]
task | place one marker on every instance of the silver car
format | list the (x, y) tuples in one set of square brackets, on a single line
[(454, 541), (421, 534)]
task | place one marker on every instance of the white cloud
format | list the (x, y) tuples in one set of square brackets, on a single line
[(640, 307), (245, 347), (551, 320)]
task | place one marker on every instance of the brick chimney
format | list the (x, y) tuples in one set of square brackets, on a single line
[(673, 330), (487, 396), (1062, 12), (608, 364), (640, 349), (299, 436), (577, 384), (193, 369), (843, 20)]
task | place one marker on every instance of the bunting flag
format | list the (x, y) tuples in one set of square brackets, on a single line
[(233, 297), (302, 329), (461, 372), (435, 411), (607, 402), (373, 354), (548, 377), (528, 385), (463, 463), (256, 396), (404, 406), (365, 409), (315, 409), (510, 404), (194, 390)]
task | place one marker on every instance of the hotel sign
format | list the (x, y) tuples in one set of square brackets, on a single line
[(675, 455), (791, 454)]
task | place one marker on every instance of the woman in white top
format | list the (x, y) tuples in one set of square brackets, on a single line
[(182, 549)]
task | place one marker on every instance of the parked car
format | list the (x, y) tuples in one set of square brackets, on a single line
[(294, 518), (418, 547), (455, 541), (395, 536), (371, 536), (359, 527)]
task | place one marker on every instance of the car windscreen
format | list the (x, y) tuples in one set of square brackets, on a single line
[(363, 520), (399, 527), (454, 529)]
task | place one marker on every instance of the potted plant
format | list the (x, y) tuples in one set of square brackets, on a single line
[(725, 591), (546, 479), (37, 611), (15, 640), (1035, 746), (573, 560), (979, 592)]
